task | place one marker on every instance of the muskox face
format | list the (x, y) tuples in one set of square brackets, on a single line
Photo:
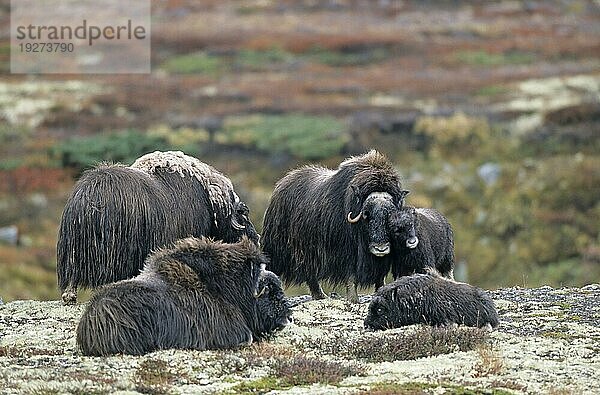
[(374, 215), (273, 309), (241, 224), (402, 225), (380, 315)]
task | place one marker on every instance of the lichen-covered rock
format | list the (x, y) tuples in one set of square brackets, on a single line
[(548, 340)]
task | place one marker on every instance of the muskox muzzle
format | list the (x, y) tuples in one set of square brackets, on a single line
[(412, 242), (379, 249)]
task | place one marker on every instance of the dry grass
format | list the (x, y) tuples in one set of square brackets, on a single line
[(153, 376), (266, 350), (490, 362), (289, 368), (25, 352), (423, 342), (305, 371)]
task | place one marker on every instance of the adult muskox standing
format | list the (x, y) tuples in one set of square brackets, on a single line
[(199, 294), (324, 224), (117, 214)]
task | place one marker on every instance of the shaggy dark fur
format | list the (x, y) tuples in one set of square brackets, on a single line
[(307, 234), (117, 215), (430, 299), (201, 294), (422, 238), (273, 307)]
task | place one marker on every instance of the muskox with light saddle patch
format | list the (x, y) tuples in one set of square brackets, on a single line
[(432, 300), (330, 225), (200, 294), (422, 239), (116, 215)]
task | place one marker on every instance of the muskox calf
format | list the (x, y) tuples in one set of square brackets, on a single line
[(201, 294), (330, 225), (117, 214), (430, 299), (422, 239)]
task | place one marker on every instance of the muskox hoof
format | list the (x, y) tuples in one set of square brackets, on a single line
[(352, 293), (318, 295), (315, 290), (69, 297)]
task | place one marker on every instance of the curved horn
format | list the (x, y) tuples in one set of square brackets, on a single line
[(259, 294), (236, 225), (355, 219)]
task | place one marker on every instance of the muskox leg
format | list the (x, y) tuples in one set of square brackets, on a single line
[(247, 341), (315, 289), (352, 292), (69, 295)]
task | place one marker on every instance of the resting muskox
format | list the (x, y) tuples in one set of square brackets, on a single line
[(324, 224), (116, 215), (200, 294), (430, 299), (422, 238)]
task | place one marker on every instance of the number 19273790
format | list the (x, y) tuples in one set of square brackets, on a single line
[(46, 47)]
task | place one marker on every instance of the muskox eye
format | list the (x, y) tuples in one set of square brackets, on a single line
[(366, 215), (379, 310), (243, 210)]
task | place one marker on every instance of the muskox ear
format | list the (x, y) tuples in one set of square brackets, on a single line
[(356, 192), (401, 197)]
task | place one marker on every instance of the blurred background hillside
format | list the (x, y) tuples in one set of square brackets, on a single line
[(489, 110)]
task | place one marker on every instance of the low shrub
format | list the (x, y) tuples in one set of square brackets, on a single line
[(303, 136), (195, 63), (84, 151)]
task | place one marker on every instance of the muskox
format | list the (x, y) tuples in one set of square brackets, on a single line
[(422, 238), (272, 305), (116, 215), (200, 294), (430, 299), (324, 224)]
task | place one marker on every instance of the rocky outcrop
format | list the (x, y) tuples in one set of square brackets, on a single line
[(548, 341)]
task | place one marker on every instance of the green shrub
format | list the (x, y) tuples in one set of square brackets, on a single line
[(11, 163), (196, 63), (259, 60), (84, 151), (303, 136), (347, 58), (493, 90), (483, 58)]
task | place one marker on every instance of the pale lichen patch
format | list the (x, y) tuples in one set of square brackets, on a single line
[(534, 350)]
